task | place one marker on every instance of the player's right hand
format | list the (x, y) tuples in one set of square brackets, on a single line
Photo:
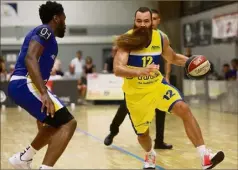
[(149, 70), (48, 104)]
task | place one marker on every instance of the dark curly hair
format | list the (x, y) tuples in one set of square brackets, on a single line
[(48, 10)]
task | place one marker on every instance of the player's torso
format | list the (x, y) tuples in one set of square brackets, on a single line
[(142, 58), (46, 60)]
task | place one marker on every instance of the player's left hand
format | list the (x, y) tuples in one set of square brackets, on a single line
[(48, 104)]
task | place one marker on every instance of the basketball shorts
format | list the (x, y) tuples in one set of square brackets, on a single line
[(142, 106), (25, 94)]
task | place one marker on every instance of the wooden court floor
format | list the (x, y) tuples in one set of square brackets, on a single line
[(87, 151)]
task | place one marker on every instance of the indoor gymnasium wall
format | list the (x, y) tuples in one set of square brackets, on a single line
[(85, 20), (217, 53), (82, 13)]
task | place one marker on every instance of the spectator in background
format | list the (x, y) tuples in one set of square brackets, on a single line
[(3, 72), (232, 74), (11, 69), (57, 70), (77, 64), (88, 68), (225, 70), (70, 74), (108, 66)]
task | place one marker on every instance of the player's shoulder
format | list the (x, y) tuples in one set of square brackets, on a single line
[(44, 31), (162, 33)]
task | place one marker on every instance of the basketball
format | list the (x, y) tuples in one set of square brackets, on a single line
[(197, 66)]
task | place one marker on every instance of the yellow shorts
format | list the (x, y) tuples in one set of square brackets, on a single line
[(142, 106)]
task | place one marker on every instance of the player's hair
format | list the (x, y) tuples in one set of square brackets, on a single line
[(154, 11), (139, 39), (48, 10), (143, 10)]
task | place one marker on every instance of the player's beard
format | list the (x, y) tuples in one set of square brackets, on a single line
[(61, 30), (143, 29), (139, 39)]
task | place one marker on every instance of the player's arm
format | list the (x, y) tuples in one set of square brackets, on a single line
[(120, 66), (35, 50), (167, 70), (171, 56)]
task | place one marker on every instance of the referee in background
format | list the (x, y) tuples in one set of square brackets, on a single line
[(122, 111)]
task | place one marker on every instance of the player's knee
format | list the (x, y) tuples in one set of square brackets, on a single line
[(143, 135), (73, 124), (183, 110)]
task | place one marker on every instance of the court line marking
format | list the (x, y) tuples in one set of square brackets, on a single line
[(114, 146)]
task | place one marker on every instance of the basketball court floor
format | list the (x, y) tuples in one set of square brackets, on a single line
[(87, 151)]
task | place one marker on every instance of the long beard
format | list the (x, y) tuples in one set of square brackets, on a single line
[(144, 30), (150, 29)]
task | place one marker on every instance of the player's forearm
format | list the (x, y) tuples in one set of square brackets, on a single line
[(167, 69), (124, 71), (34, 72), (179, 60)]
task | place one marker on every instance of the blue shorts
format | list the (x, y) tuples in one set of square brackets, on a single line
[(25, 94)]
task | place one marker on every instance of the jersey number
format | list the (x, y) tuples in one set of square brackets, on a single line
[(168, 95), (147, 60), (45, 33)]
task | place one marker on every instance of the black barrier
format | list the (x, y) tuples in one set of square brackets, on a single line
[(4, 99), (66, 91)]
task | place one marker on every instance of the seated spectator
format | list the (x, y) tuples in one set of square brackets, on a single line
[(88, 68), (71, 73), (232, 74), (3, 72), (54, 75), (11, 69), (57, 67), (225, 70)]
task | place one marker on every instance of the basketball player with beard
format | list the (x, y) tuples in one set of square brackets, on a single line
[(27, 88), (165, 68), (145, 88)]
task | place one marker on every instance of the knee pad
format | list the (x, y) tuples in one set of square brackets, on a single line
[(61, 117)]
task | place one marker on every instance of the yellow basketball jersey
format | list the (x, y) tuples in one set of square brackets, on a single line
[(142, 58)]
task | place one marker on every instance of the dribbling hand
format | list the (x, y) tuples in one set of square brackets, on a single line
[(149, 70), (48, 104)]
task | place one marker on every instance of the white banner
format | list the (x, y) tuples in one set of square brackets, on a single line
[(225, 26), (104, 87)]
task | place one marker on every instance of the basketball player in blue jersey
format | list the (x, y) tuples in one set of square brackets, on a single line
[(27, 88), (145, 88)]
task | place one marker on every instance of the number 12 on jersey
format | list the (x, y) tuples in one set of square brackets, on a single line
[(146, 60)]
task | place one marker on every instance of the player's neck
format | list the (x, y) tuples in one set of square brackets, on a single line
[(52, 26)]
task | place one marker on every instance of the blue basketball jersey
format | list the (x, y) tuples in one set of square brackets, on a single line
[(44, 35), (21, 89)]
